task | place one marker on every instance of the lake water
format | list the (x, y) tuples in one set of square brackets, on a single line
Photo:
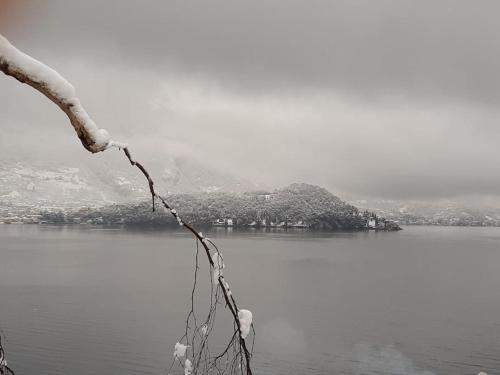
[(425, 300)]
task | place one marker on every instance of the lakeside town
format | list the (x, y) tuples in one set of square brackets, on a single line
[(45, 194), (13, 211), (64, 216), (298, 206)]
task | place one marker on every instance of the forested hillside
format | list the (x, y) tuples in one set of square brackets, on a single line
[(299, 205)]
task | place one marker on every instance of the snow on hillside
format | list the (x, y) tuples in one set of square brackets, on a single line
[(94, 183)]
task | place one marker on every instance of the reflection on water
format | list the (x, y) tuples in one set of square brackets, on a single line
[(421, 301)]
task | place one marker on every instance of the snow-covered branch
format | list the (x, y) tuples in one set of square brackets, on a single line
[(50, 83)]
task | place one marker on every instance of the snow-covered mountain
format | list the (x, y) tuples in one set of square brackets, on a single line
[(94, 182), (459, 211)]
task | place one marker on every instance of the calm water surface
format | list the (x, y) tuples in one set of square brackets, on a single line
[(421, 301)]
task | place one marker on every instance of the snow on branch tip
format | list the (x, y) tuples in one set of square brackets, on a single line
[(50, 83)]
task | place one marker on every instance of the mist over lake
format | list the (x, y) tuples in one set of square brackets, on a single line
[(420, 301)]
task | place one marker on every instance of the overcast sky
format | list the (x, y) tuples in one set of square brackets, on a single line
[(377, 99)]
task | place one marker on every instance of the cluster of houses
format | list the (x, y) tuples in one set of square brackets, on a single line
[(261, 224), (372, 223), (13, 215), (376, 223)]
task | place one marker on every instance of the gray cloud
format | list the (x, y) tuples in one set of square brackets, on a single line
[(444, 48), (393, 99)]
